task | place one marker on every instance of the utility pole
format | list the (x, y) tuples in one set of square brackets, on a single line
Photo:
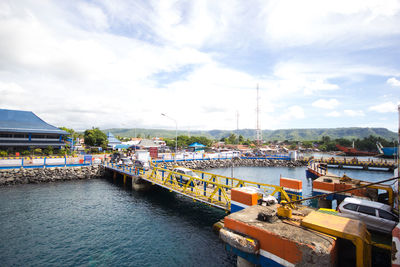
[(258, 131), (237, 122)]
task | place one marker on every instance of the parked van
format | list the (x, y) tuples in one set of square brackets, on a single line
[(185, 179), (377, 216)]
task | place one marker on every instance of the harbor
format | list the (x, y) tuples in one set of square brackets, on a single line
[(199, 133), (159, 203)]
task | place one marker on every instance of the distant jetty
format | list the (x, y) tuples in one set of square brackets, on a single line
[(236, 162)]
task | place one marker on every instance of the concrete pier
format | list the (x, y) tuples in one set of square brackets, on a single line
[(281, 243)]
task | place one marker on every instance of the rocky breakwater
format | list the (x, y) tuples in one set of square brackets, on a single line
[(26, 176), (227, 163)]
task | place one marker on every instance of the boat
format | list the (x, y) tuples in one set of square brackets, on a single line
[(351, 151), (388, 152)]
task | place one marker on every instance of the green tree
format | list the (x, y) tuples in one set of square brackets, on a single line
[(308, 144), (241, 139), (200, 139), (326, 139), (72, 133), (293, 146), (37, 151), (231, 139), (95, 137), (48, 150)]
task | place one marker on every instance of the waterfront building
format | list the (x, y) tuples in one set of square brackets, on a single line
[(147, 143), (23, 130), (159, 142), (112, 141)]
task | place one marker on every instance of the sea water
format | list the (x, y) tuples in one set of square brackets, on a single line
[(97, 223)]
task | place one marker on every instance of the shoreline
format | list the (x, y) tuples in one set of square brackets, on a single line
[(10, 177), (47, 175)]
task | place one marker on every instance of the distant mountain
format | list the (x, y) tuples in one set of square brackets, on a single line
[(333, 133), (268, 135)]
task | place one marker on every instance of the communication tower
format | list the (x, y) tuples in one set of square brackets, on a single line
[(258, 131)]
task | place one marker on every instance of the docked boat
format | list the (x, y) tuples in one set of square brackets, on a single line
[(388, 152), (351, 151)]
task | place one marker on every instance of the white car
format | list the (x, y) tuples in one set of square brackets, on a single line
[(185, 179), (126, 161), (377, 216)]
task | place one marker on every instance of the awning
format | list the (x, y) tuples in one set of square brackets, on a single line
[(121, 146), (196, 145)]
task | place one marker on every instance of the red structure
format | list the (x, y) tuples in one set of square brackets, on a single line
[(351, 151)]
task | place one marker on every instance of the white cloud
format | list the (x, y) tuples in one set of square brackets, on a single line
[(386, 107), (93, 16), (334, 114), (113, 63), (293, 112), (393, 82), (326, 104), (354, 113), (291, 23)]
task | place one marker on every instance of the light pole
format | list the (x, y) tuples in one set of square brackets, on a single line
[(176, 133)]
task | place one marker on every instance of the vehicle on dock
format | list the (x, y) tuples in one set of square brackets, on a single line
[(377, 216), (126, 162), (142, 165), (184, 178), (115, 157)]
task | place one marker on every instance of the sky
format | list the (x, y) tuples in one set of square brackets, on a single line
[(121, 64)]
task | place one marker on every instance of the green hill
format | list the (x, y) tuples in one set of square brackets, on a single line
[(268, 135)]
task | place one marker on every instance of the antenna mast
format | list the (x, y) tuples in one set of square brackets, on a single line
[(258, 131)]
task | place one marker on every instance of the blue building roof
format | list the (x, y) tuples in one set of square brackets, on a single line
[(26, 122), (112, 140)]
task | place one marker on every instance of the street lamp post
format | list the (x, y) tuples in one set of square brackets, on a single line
[(176, 133)]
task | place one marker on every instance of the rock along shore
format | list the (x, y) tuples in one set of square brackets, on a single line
[(35, 176), (237, 162)]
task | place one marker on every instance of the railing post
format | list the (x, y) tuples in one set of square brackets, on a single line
[(162, 175), (44, 162), (22, 162), (219, 194), (205, 188)]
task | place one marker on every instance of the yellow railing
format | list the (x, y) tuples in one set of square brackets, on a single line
[(216, 188), (207, 187)]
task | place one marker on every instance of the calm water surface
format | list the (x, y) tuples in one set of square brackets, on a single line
[(97, 223)]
